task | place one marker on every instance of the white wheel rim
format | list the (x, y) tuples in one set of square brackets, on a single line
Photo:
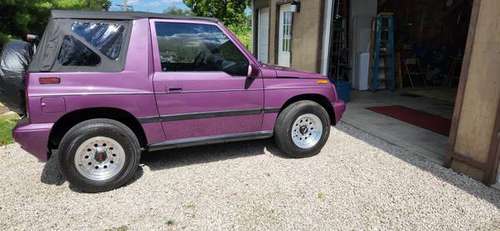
[(99, 158), (307, 131)]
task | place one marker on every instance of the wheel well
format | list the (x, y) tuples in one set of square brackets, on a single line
[(71, 119), (321, 100)]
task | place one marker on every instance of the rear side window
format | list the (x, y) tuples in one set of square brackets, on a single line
[(107, 38), (89, 44), (192, 47), (75, 53)]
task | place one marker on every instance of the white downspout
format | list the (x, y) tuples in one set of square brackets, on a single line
[(327, 22)]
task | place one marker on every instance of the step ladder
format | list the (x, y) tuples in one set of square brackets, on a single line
[(383, 69)]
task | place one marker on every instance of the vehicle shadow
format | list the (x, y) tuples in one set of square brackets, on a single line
[(475, 188), (159, 160), (173, 158), (51, 173)]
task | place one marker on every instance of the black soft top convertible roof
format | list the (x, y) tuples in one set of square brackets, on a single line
[(60, 30), (118, 15)]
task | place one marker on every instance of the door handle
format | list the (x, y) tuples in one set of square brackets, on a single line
[(175, 89)]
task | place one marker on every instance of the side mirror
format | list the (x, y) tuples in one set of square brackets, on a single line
[(253, 71), (32, 38)]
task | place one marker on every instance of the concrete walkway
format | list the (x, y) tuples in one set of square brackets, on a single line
[(417, 140)]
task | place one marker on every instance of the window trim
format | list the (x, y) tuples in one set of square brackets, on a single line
[(156, 51)]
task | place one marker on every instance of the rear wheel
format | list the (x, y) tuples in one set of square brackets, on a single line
[(302, 129), (99, 155)]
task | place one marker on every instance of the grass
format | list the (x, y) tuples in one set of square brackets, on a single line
[(121, 228), (7, 123), (321, 196), (170, 222)]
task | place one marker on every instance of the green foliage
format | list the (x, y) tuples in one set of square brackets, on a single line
[(230, 12), (20, 17), (6, 126), (244, 34), (174, 11)]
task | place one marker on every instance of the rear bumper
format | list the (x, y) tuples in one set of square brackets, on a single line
[(339, 108), (33, 138)]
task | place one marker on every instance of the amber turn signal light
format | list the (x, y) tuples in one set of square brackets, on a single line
[(323, 81), (49, 80)]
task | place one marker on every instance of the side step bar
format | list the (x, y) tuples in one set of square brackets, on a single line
[(197, 141)]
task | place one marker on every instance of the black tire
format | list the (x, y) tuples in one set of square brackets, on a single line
[(284, 126), (93, 128)]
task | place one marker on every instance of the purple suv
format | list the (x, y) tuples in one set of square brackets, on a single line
[(103, 87)]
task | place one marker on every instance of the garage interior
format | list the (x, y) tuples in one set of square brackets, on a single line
[(411, 103)]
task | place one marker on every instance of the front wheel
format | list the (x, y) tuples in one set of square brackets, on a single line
[(99, 155), (302, 129)]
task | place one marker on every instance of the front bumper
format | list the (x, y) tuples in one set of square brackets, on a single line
[(33, 138)]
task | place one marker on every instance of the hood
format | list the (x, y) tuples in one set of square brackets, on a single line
[(285, 72)]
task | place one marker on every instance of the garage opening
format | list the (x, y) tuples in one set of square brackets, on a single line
[(403, 59)]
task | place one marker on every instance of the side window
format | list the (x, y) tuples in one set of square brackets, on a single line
[(75, 53), (287, 31), (107, 38), (198, 47), (103, 38)]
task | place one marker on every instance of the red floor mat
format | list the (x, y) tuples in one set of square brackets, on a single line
[(421, 119)]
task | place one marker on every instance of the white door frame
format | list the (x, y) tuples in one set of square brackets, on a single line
[(263, 35), (285, 35)]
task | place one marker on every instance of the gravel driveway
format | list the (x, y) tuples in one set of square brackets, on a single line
[(357, 182)]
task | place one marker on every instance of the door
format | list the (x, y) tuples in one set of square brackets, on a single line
[(201, 83), (263, 35), (285, 35)]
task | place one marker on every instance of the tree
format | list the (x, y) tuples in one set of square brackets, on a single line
[(174, 11), (20, 17), (230, 12)]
